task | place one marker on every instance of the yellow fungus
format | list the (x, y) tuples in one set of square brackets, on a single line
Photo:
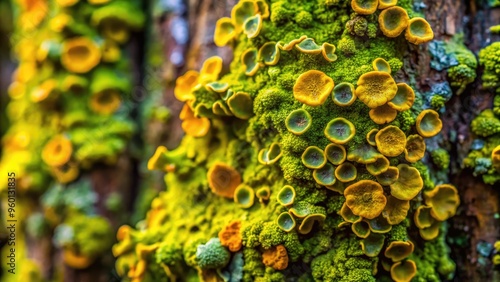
[(80, 54), (393, 21), (365, 198), (376, 88), (419, 31), (313, 88), (383, 114), (428, 123), (223, 179)]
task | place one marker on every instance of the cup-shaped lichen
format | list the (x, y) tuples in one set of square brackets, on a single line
[(395, 210), (399, 250), (286, 222), (370, 136), (384, 4), (308, 222), (403, 271), (373, 244), (393, 21), (344, 94), (376, 88), (391, 141), (346, 172), (298, 121), (361, 228), (364, 7), (271, 155), (252, 26), (428, 123), (241, 105), (286, 196), (223, 180), (443, 200), (313, 157), (328, 52), (244, 196), (308, 46), (313, 87), (336, 154), (57, 151), (269, 54), (224, 32), (419, 31), (404, 98), (383, 114), (340, 131), (80, 55), (365, 198), (388, 177), (415, 148), (379, 64), (409, 183), (249, 60), (325, 176), (381, 165)]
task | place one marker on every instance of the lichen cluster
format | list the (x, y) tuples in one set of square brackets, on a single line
[(327, 141), (485, 155), (67, 113)]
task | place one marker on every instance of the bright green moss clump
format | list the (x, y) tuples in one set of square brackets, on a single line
[(320, 186)]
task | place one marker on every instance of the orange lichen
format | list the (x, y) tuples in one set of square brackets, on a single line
[(365, 198), (393, 21), (383, 114), (230, 236), (193, 126), (408, 184), (364, 7), (419, 31), (57, 151), (376, 88), (313, 88), (80, 55), (223, 179), (428, 123), (404, 98), (391, 141), (403, 271), (224, 32), (443, 200), (395, 210), (399, 250), (276, 257), (185, 84), (415, 148)]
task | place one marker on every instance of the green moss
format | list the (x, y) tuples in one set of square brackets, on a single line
[(441, 158), (489, 57), (486, 124), (212, 255)]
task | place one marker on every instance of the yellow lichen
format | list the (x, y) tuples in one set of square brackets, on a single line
[(223, 179), (376, 88), (391, 141), (365, 198), (313, 88)]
